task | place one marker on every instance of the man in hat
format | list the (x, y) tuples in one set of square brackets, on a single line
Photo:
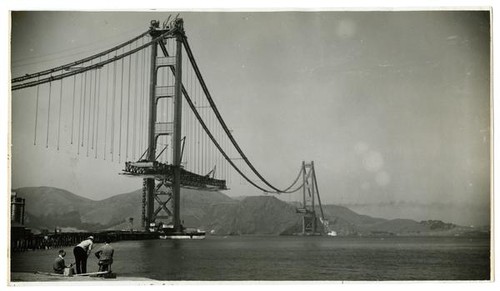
[(105, 256), (81, 252)]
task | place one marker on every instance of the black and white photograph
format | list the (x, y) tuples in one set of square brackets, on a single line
[(338, 145)]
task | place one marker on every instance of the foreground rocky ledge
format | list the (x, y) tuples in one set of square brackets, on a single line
[(20, 278)]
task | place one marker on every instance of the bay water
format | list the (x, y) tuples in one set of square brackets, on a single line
[(287, 258)]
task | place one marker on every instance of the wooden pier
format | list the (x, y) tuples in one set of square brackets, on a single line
[(26, 242)]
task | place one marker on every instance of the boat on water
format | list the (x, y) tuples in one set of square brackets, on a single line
[(184, 235), (168, 232), (331, 233)]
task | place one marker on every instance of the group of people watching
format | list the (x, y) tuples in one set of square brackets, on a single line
[(81, 252)]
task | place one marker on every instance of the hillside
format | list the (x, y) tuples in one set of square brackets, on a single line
[(115, 210), (253, 215), (347, 222), (47, 208), (45, 201)]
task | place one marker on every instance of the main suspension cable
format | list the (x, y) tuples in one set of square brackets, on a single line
[(197, 114), (91, 67), (219, 117), (84, 60)]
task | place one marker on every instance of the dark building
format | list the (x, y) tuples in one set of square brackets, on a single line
[(17, 205)]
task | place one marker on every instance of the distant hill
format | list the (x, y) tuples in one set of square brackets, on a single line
[(115, 210), (346, 222), (47, 208), (253, 215), (45, 201)]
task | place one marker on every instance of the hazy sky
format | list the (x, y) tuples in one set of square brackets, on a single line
[(393, 107)]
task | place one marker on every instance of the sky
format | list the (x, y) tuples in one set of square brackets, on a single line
[(393, 107)]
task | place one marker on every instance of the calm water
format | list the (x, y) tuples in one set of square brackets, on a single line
[(288, 258)]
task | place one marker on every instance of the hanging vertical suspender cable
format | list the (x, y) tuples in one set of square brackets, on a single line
[(98, 96), (83, 109), (89, 111), (82, 94), (113, 109), (36, 111), (48, 116), (136, 93), (60, 110), (73, 111), (128, 103), (106, 113), (121, 115)]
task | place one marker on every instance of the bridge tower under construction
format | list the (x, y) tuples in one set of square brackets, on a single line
[(162, 182), (311, 199), (131, 110)]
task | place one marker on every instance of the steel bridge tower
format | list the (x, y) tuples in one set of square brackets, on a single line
[(156, 187), (162, 182), (310, 192)]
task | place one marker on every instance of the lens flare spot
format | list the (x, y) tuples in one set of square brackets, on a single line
[(373, 161)]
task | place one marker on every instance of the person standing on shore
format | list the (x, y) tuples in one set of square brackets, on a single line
[(81, 252)]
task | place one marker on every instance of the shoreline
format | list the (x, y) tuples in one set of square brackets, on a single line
[(20, 278)]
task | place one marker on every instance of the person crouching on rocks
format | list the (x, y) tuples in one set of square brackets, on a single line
[(105, 256), (81, 252)]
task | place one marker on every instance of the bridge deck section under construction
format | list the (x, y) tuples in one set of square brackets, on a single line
[(165, 172)]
